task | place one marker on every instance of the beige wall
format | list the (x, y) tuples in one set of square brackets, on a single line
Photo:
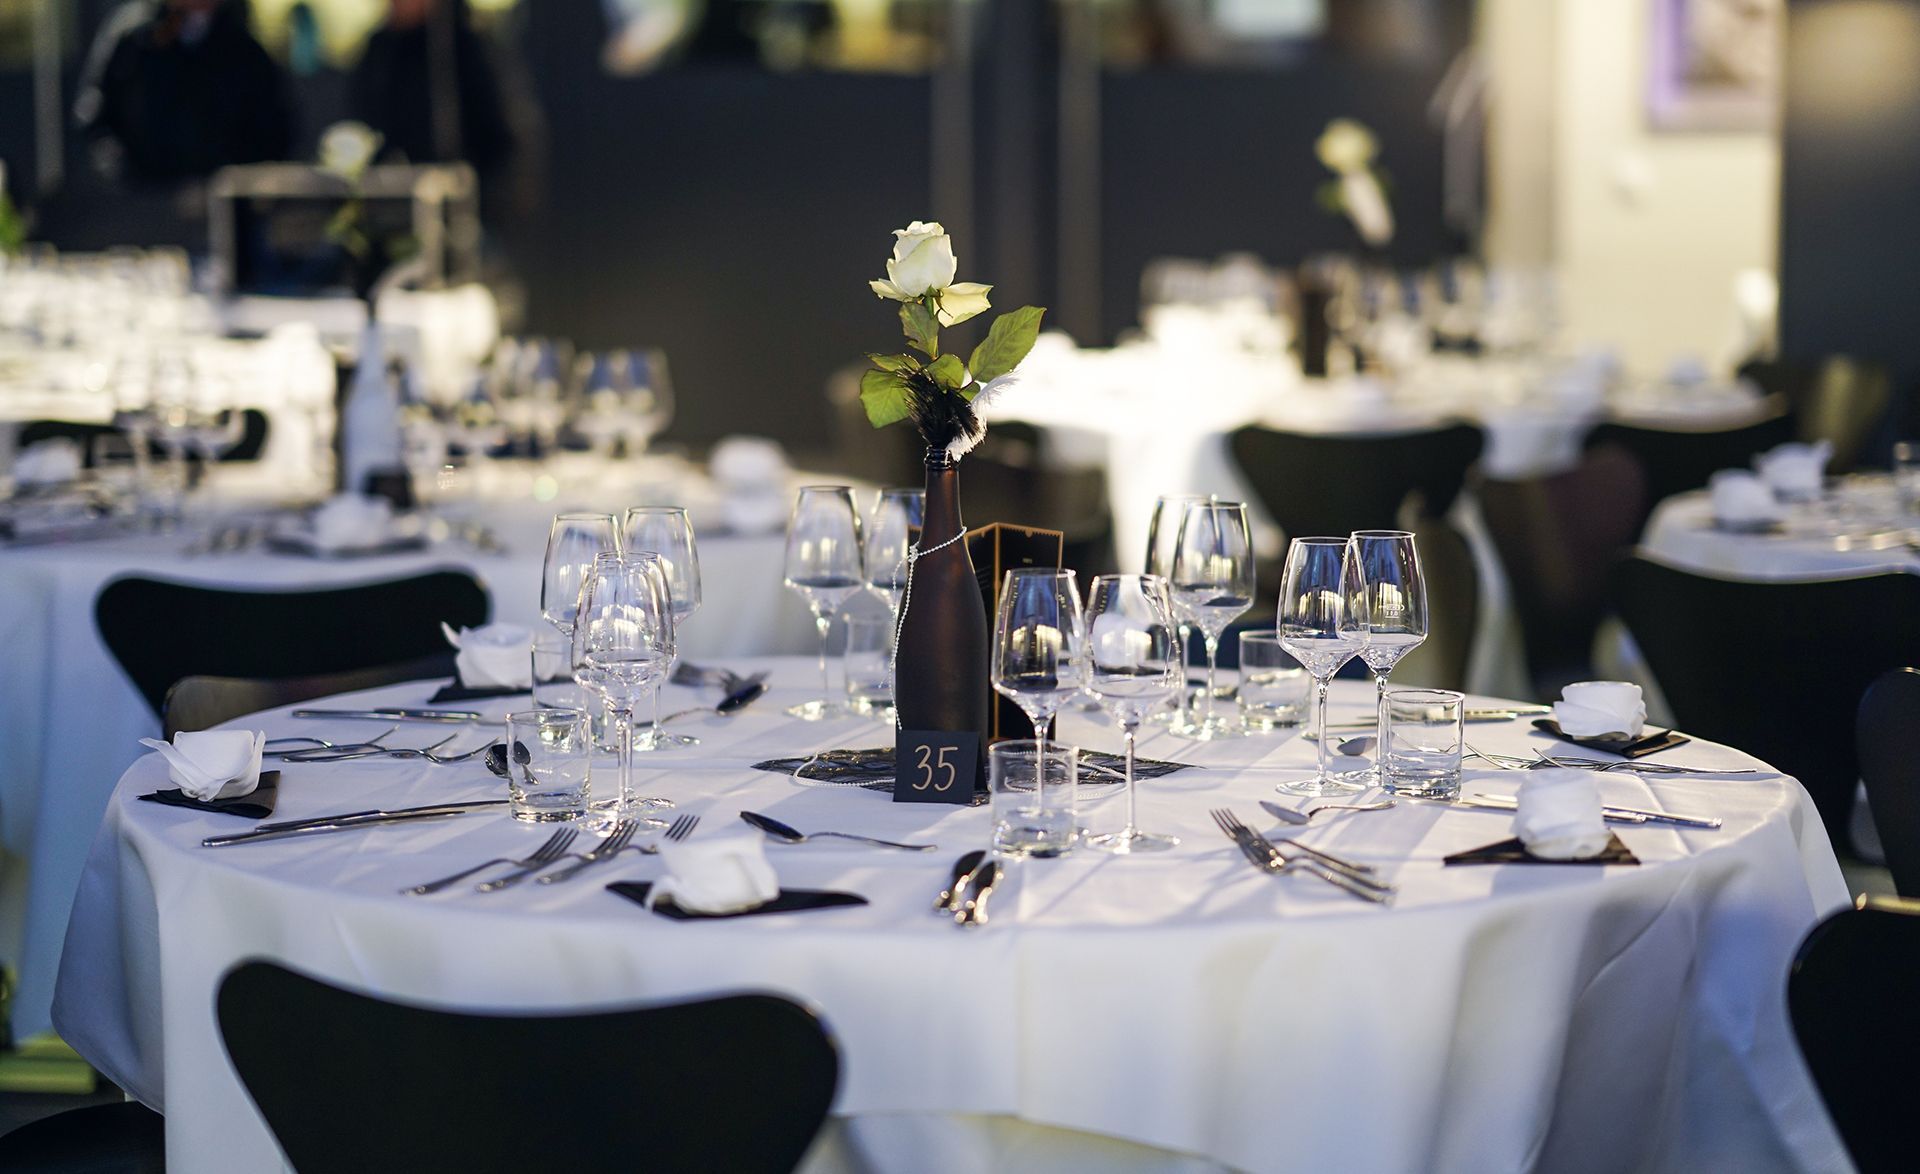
[(1646, 230)]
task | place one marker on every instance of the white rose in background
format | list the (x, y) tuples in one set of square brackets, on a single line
[(961, 301), (347, 149), (1348, 148)]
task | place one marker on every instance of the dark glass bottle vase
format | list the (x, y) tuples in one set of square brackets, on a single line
[(940, 677)]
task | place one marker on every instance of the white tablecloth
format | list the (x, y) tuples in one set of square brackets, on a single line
[(1496, 1018), (1857, 530), (69, 718)]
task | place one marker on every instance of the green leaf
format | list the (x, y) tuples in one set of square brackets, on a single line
[(884, 395), (970, 390), (923, 329), (895, 363), (949, 372), (1007, 342)]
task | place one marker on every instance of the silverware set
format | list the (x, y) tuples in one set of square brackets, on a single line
[(543, 859), (351, 751), (966, 895), (1284, 857), (287, 828), (1578, 762), (228, 539)]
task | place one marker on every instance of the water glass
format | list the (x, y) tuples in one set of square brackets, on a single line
[(1274, 689), (550, 756), (866, 661), (1032, 785), (553, 683), (1424, 734), (1906, 475)]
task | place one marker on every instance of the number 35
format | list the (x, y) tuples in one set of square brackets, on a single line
[(929, 763)]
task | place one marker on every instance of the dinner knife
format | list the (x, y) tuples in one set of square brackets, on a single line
[(1692, 821), (1473, 715), (466, 805), (974, 913), (400, 715), (743, 695), (1608, 816), (963, 873), (336, 825)]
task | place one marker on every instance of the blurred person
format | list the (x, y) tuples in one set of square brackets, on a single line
[(176, 89), (428, 83)]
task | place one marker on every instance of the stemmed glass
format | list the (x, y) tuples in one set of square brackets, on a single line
[(1396, 598), (1039, 643), (824, 564), (1133, 666), (1212, 584), (573, 542), (623, 647), (1162, 532), (1322, 623), (666, 533), (897, 514)]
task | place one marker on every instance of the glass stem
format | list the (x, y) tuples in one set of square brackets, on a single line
[(1133, 828), (1213, 658), (653, 730), (1320, 727), (824, 624), (1380, 723), (623, 727), (1186, 638)]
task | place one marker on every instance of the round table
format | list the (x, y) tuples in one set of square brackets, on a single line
[(1493, 1018), (1858, 528)]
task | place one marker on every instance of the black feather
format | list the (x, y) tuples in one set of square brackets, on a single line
[(942, 416)]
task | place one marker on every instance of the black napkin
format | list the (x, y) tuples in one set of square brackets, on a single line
[(1514, 852), (1625, 747), (789, 901), (873, 768), (256, 804), (306, 547), (455, 691)]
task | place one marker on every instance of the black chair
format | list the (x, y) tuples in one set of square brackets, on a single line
[(201, 702), (1675, 460), (350, 1083), (1887, 733), (1453, 605), (127, 1138), (1338, 484), (1777, 669), (161, 632), (1850, 993)]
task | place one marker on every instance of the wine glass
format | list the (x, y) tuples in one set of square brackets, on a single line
[(1162, 532), (1396, 596), (897, 516), (1322, 623), (1039, 643), (666, 533), (1132, 667), (1212, 585), (623, 647), (573, 542), (825, 565)]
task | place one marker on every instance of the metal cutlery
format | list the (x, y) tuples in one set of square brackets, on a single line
[(400, 715), (1577, 762), (1324, 857), (353, 819), (351, 753), (607, 849), (1303, 818), (616, 843), (1508, 713), (1619, 817), (545, 854), (790, 835), (323, 744), (973, 913), (964, 870), (739, 696), (1640, 814), (1268, 857)]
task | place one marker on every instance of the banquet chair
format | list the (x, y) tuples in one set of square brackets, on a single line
[(1675, 460), (202, 702), (125, 1138), (1453, 605), (1777, 669), (1850, 995), (352, 1083), (1338, 484), (1887, 732), (161, 631)]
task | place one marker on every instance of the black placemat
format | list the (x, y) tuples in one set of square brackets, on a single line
[(873, 768), (1514, 852), (255, 804), (454, 691), (789, 901), (1625, 747)]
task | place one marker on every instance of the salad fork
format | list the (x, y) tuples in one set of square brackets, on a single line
[(545, 854), (607, 850)]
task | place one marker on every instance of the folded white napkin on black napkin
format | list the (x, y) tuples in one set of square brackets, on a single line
[(1794, 471), (1741, 498), (494, 656), (351, 522), (1559, 815), (50, 462), (213, 764), (720, 873), (1601, 709)]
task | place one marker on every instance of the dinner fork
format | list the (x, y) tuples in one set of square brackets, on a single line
[(607, 849), (397, 752), (681, 828), (547, 853), (1268, 857), (323, 744)]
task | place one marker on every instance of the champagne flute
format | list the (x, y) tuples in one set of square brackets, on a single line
[(623, 646), (897, 516), (1322, 623), (1039, 643), (1396, 595), (666, 532), (1162, 532), (824, 564), (1133, 667), (1212, 585), (573, 542)]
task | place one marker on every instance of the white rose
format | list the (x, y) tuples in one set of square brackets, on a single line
[(1346, 146), (348, 148), (922, 262), (961, 301)]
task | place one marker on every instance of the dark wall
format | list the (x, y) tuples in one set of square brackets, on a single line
[(1850, 183)]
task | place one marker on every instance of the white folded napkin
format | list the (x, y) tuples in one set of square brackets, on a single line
[(1558, 817), (350, 521), (748, 460), (50, 462), (1741, 498), (1599, 709), (1794, 471), (496, 656), (213, 764), (721, 873)]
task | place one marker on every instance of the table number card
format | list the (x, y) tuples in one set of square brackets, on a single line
[(935, 766)]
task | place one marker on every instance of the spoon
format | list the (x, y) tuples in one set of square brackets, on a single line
[(789, 835), (1289, 815), (1357, 746)]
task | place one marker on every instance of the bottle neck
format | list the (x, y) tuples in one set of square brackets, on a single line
[(942, 519)]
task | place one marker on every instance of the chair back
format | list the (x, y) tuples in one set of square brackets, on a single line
[(162, 631), (1675, 460), (349, 1082), (1453, 609), (1850, 994), (202, 702), (1338, 484), (1777, 669), (1887, 732)]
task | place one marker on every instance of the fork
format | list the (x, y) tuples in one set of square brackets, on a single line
[(402, 752), (1267, 856), (323, 744), (616, 840), (607, 850), (547, 853)]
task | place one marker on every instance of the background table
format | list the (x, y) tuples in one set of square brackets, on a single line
[(1858, 529), (1496, 1018)]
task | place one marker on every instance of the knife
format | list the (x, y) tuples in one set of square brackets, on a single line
[(1472, 715), (1606, 814), (963, 874), (1643, 815), (338, 824), (467, 805), (743, 695), (974, 912), (400, 715)]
